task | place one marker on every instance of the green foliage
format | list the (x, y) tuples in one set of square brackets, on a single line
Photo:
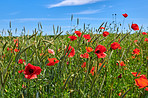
[(70, 80)]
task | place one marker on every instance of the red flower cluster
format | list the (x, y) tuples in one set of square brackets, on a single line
[(88, 49), (7, 48), (102, 28), (119, 94), (52, 61), (87, 36), (85, 55), (142, 82), (16, 50), (83, 65), (135, 27), (121, 63), (72, 38), (16, 41), (135, 73), (94, 69), (99, 51), (135, 41), (133, 57), (72, 52), (21, 61), (136, 51), (31, 71), (105, 33), (144, 33), (78, 33), (20, 71), (115, 45), (125, 15), (146, 40)]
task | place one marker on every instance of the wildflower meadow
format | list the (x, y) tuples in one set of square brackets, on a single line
[(104, 62)]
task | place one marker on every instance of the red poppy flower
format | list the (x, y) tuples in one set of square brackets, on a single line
[(144, 33), (133, 57), (16, 50), (85, 55), (72, 38), (119, 47), (52, 61), (21, 61), (94, 69), (115, 45), (51, 51), (31, 71), (121, 63), (23, 86), (67, 63), (7, 48), (143, 76), (136, 51), (88, 49), (119, 94), (101, 64), (101, 55), (78, 33), (72, 52), (87, 36), (102, 28), (16, 41), (135, 73), (135, 27), (146, 89), (146, 39), (20, 71), (135, 41), (105, 33), (99, 51), (83, 65), (88, 41), (141, 82), (125, 15), (41, 53)]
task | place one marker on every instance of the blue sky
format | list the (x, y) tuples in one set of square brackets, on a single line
[(27, 13)]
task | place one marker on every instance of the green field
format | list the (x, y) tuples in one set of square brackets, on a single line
[(65, 76)]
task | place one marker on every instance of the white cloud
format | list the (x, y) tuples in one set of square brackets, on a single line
[(73, 2), (89, 12)]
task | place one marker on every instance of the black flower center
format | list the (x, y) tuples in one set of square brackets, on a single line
[(31, 70), (98, 51)]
